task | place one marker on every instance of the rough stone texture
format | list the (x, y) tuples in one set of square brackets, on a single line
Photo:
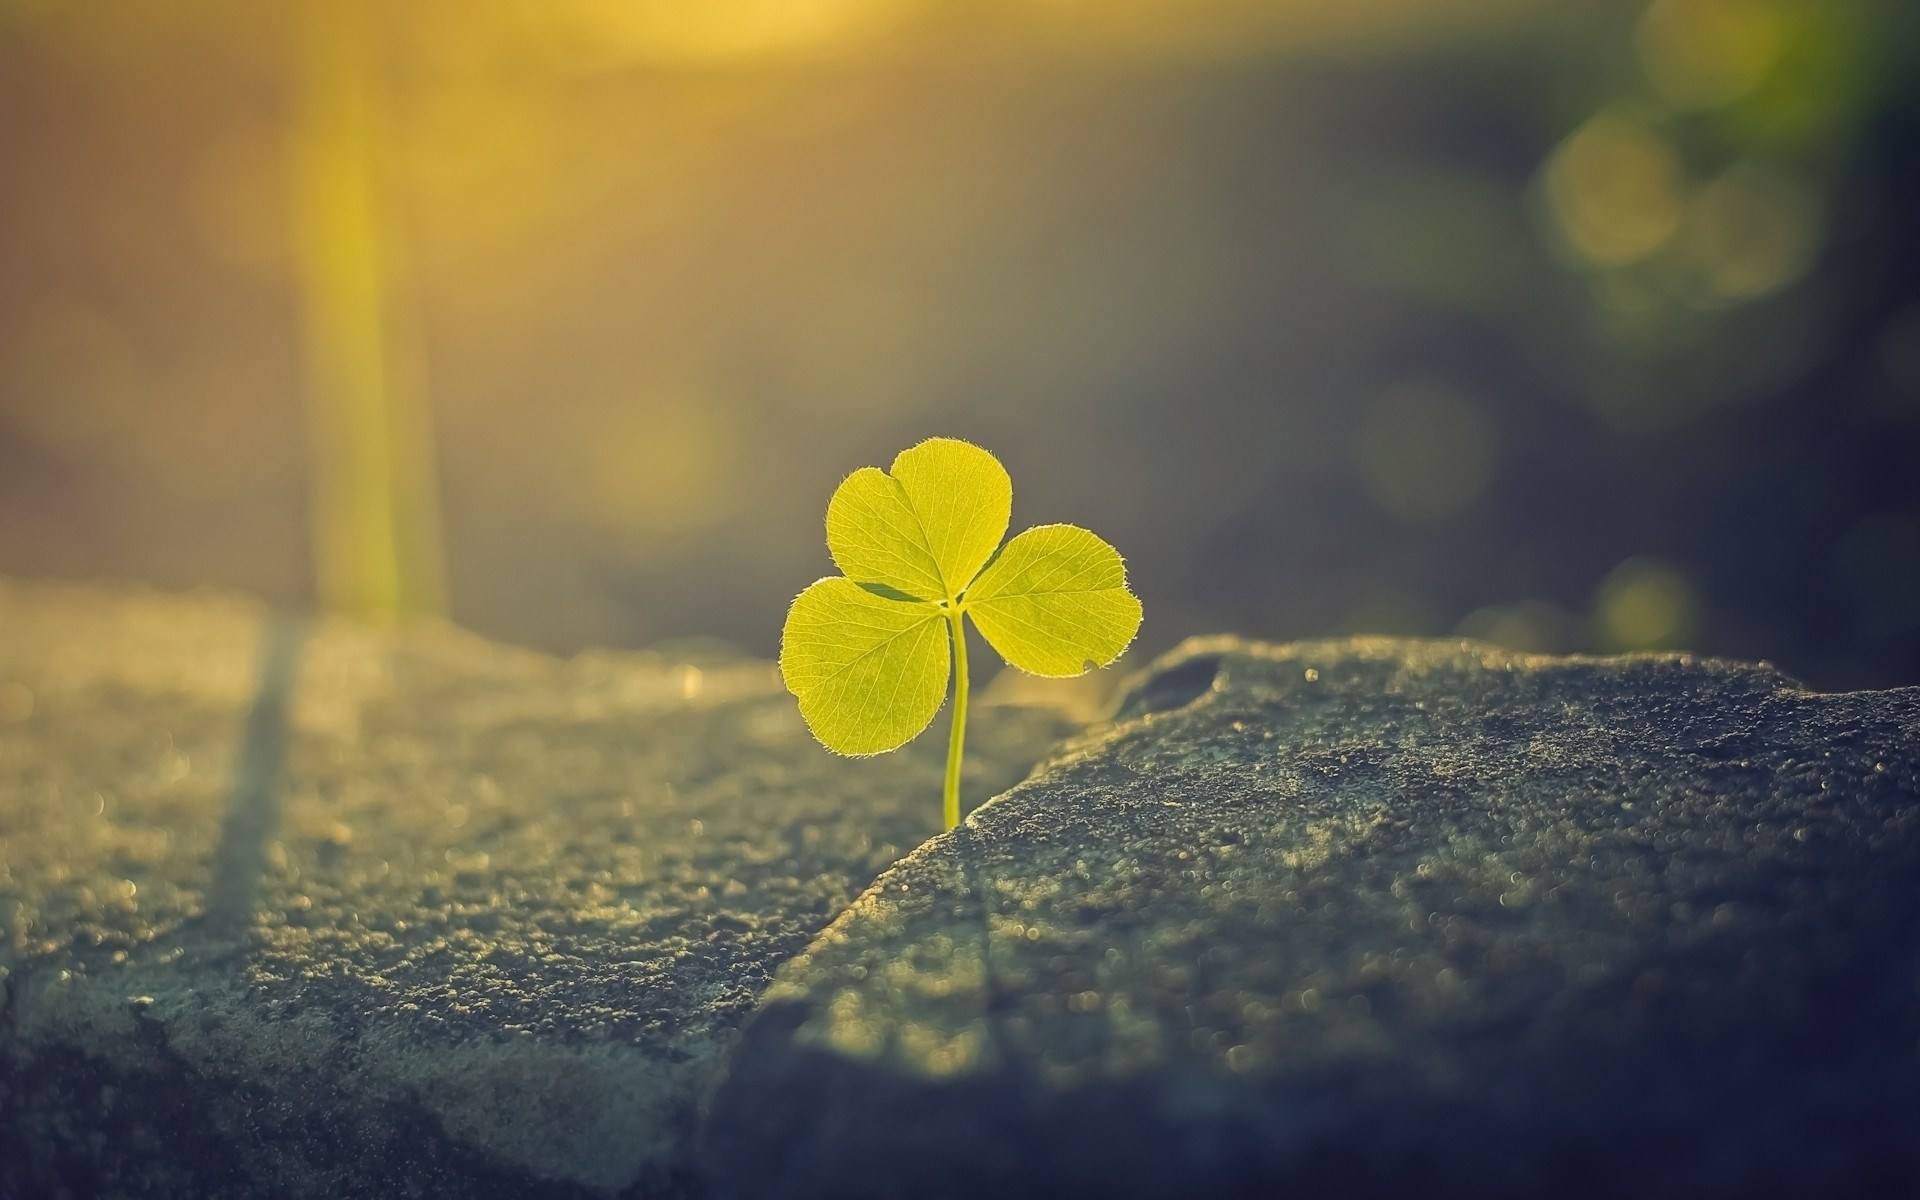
[(1381, 917), (484, 929)]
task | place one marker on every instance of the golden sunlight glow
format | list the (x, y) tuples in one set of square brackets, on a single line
[(724, 32), (719, 33), (1278, 290)]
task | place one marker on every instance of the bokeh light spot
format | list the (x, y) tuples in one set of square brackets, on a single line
[(1644, 604), (1532, 626), (1424, 451), (1753, 232), (1616, 188), (1703, 53)]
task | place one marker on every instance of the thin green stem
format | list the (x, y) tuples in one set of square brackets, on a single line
[(956, 740)]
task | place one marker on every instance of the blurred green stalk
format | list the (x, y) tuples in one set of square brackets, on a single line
[(375, 519)]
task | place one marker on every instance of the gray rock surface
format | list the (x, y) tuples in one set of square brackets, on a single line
[(335, 912), (1381, 917)]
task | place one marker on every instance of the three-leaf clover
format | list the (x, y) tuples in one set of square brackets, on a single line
[(868, 653)]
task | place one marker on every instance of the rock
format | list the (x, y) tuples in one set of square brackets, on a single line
[(339, 912), (1380, 917)]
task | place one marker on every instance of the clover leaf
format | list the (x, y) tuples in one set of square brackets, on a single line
[(868, 653)]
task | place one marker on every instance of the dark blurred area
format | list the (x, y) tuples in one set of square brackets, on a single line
[(1569, 324)]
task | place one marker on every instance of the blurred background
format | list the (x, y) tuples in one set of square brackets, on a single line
[(1569, 324)]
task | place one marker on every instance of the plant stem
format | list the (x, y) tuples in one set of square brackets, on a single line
[(956, 740), (375, 526)]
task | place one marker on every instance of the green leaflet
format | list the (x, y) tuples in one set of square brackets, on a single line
[(1055, 602), (929, 526), (869, 654), (869, 672)]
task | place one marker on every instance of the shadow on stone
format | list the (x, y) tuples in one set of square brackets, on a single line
[(490, 924), (1169, 687)]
